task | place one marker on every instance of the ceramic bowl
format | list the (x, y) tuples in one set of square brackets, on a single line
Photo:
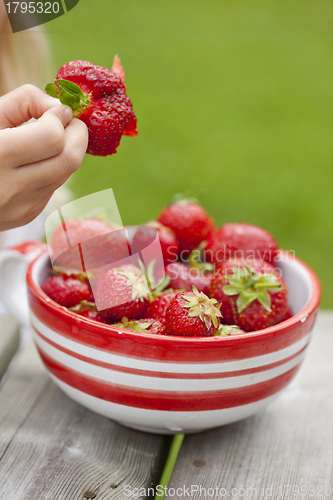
[(167, 384)]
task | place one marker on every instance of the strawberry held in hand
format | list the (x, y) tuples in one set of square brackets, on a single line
[(192, 314), (251, 294), (98, 97)]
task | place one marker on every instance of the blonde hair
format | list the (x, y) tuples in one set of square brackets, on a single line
[(24, 58)]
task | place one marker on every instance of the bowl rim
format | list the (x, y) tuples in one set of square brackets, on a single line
[(300, 317)]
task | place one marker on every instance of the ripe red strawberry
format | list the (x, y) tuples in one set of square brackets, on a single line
[(92, 314), (146, 234), (157, 308), (71, 232), (149, 325), (121, 292), (192, 314), (190, 223), (288, 315), (240, 240), (87, 308), (98, 97), (251, 294), (183, 277), (66, 290)]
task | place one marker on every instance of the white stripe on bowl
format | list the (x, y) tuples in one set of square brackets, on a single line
[(168, 367), (163, 421), (163, 384)]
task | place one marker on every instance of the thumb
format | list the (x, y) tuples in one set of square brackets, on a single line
[(63, 113)]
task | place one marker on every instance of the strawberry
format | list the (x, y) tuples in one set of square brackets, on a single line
[(185, 277), (241, 240), (92, 314), (117, 68), (157, 308), (252, 294), (98, 97), (66, 290), (146, 234), (288, 315), (69, 234), (192, 314), (121, 292), (88, 309), (149, 325), (190, 223)]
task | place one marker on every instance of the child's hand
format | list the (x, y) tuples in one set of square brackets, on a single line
[(37, 158)]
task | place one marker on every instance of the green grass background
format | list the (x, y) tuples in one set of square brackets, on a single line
[(232, 96)]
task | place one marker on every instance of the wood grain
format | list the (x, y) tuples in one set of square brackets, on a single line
[(9, 341), (288, 443), (53, 448)]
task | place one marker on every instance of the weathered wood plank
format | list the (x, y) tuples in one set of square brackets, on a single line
[(288, 443), (9, 341), (52, 448)]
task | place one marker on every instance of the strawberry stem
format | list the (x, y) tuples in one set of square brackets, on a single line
[(69, 94)]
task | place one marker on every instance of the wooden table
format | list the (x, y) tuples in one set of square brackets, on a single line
[(53, 448), (289, 444)]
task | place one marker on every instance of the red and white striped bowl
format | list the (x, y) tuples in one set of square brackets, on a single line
[(166, 384)]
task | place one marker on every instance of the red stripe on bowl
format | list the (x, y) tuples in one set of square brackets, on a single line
[(163, 347), (168, 375), (168, 400)]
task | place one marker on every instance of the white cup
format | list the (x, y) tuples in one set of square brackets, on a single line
[(14, 263)]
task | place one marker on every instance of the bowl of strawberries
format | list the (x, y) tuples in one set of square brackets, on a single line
[(220, 334)]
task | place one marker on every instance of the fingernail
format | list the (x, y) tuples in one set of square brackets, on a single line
[(68, 114)]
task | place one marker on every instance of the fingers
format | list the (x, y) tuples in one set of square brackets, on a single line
[(57, 169), (28, 215), (26, 189), (22, 104), (37, 158), (38, 140)]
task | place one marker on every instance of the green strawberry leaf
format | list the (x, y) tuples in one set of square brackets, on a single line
[(214, 320), (51, 89), (230, 290), (182, 199), (71, 89), (163, 285), (69, 94), (251, 281), (277, 289), (237, 283), (228, 330), (265, 300), (239, 273), (244, 299)]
